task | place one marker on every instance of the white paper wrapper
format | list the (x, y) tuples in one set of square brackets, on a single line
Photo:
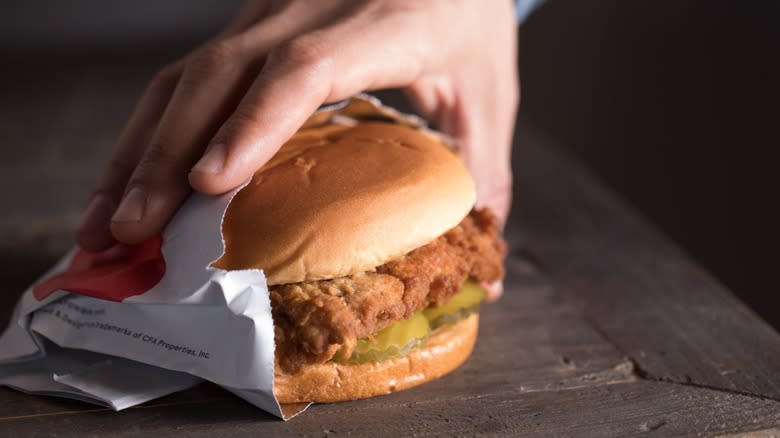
[(138, 323), (194, 323)]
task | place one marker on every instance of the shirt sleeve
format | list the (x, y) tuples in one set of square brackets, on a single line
[(523, 8)]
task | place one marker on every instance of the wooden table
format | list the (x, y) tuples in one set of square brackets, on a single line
[(606, 327)]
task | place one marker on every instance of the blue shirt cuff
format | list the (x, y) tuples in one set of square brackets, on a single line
[(523, 8)]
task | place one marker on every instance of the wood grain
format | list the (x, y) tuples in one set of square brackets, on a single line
[(640, 290), (624, 409)]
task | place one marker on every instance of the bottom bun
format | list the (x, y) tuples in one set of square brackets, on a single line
[(447, 348)]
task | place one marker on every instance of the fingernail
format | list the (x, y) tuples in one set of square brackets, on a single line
[(212, 161), (97, 214), (494, 290), (132, 207)]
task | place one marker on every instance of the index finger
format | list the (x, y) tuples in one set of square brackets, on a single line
[(323, 66)]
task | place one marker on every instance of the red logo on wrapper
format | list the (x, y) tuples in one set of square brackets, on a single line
[(115, 274)]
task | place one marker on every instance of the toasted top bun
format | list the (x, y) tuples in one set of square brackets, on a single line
[(446, 349), (337, 200)]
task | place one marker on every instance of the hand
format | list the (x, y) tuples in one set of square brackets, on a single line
[(220, 113)]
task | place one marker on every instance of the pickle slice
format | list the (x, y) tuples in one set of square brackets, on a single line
[(461, 305), (401, 337), (395, 340)]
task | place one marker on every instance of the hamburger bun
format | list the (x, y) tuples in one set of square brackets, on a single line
[(447, 348), (338, 200)]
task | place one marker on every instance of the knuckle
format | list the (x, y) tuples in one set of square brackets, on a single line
[(244, 118), (119, 168), (305, 51), (405, 9), (157, 160), (409, 14), (215, 59), (114, 178), (166, 78), (310, 60)]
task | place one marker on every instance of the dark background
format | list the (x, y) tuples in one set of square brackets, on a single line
[(673, 103)]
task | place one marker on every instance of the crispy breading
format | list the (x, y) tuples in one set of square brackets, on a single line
[(314, 319)]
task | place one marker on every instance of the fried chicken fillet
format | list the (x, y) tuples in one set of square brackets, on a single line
[(314, 319)]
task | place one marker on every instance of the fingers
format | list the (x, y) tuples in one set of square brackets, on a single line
[(480, 114), (481, 117), (209, 85), (93, 232), (486, 131), (276, 105), (494, 290), (297, 78), (212, 82)]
